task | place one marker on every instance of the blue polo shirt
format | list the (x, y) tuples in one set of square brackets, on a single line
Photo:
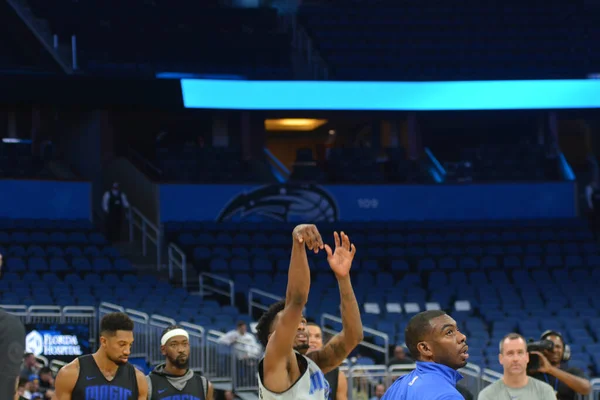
[(429, 381)]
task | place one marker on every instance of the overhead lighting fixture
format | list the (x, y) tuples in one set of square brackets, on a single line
[(294, 124)]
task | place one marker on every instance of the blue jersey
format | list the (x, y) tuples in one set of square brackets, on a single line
[(429, 381)]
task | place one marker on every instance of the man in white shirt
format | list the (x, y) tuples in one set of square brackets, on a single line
[(515, 384), (243, 341)]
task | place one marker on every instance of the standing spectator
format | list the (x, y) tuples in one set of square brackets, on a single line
[(30, 366), (114, 204), (243, 341), (592, 197), (400, 357), (379, 392)]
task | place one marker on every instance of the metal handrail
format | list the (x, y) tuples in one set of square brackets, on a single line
[(143, 322), (283, 170), (180, 263), (253, 292), (206, 289), (382, 349), (146, 228)]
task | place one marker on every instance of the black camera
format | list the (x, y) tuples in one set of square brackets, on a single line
[(538, 345)]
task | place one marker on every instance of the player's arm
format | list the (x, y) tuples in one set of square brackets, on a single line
[(280, 345), (340, 346), (342, 389), (65, 381), (210, 391), (142, 385)]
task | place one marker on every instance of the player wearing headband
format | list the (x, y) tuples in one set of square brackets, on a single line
[(173, 379)]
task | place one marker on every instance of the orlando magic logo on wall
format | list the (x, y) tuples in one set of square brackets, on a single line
[(282, 202)]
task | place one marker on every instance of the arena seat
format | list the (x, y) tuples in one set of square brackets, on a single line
[(467, 40), (198, 37), (66, 262), (511, 270)]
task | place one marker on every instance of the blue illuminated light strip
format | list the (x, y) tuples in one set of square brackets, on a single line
[(390, 96)]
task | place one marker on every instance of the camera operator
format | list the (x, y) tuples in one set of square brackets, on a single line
[(568, 382)]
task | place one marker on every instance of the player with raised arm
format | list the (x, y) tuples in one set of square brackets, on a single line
[(285, 372), (106, 374)]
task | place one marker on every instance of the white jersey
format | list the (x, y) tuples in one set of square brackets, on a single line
[(311, 385)]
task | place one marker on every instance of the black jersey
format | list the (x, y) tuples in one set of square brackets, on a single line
[(92, 385)]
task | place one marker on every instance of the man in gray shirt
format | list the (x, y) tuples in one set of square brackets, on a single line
[(515, 384)]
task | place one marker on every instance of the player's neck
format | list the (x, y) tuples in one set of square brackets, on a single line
[(515, 381), (173, 370), (104, 363)]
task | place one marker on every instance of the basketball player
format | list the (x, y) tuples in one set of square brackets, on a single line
[(284, 373), (106, 374), (173, 379), (338, 384), (12, 347)]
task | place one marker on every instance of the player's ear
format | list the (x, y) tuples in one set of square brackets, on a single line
[(163, 350), (425, 349)]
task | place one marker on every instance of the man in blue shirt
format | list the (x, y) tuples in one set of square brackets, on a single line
[(439, 349)]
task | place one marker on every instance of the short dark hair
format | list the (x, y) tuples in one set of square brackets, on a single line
[(113, 322), (418, 327), (240, 323), (169, 328), (510, 336), (263, 328), (45, 370)]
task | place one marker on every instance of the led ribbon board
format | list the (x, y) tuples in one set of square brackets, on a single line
[(390, 96)]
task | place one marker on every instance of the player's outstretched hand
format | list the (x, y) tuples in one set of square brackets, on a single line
[(340, 260), (309, 235)]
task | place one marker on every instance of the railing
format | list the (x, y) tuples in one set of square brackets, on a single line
[(145, 165), (472, 374), (218, 362), (595, 395), (244, 369), (55, 365), (253, 293), (57, 315), (149, 232), (380, 349), (24, 12), (279, 169), (177, 259), (207, 289), (232, 361), (82, 315), (218, 358)]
